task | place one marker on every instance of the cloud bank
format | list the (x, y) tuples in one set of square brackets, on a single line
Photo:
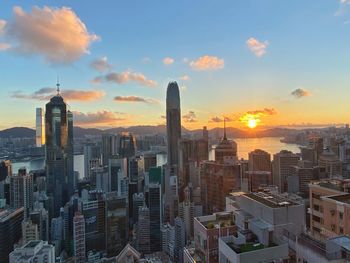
[(45, 94), (133, 99), (99, 118), (125, 77)]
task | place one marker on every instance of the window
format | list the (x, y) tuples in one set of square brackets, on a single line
[(341, 215), (333, 227), (341, 230)]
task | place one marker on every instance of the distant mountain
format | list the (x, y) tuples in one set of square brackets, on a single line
[(22, 132), (17, 132)]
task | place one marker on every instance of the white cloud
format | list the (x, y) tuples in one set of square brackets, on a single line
[(207, 63), (101, 64), (57, 34), (168, 61), (257, 47)]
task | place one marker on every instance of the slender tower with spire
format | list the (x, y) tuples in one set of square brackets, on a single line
[(226, 148)]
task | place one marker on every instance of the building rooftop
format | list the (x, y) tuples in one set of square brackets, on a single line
[(342, 185), (217, 220), (343, 241), (32, 244), (242, 248), (271, 200), (345, 198), (191, 251)]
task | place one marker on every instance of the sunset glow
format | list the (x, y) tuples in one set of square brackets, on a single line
[(102, 69), (252, 123)]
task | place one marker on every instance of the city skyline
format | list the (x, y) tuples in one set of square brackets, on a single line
[(257, 63)]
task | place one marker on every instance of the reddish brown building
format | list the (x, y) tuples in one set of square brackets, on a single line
[(217, 181)]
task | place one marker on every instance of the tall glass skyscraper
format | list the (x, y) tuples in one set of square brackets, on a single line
[(59, 152), (173, 122), (39, 128)]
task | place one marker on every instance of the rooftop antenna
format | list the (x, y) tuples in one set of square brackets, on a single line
[(58, 86), (225, 137)]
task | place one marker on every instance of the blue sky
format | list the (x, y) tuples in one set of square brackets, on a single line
[(303, 45)]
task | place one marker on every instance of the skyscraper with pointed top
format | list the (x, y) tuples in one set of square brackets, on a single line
[(226, 148), (173, 122), (59, 152)]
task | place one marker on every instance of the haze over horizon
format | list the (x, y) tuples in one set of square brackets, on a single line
[(257, 64)]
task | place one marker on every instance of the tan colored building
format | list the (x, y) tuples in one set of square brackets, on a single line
[(329, 208), (281, 168), (330, 161), (259, 160)]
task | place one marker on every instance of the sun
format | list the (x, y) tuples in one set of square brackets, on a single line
[(252, 123)]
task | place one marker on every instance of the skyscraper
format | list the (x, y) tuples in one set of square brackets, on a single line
[(259, 160), (173, 121), (39, 128), (282, 168), (109, 147), (127, 145), (92, 158), (227, 149), (10, 231), (154, 203), (143, 230), (21, 191), (59, 151), (79, 238)]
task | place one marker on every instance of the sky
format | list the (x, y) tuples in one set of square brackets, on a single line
[(262, 63)]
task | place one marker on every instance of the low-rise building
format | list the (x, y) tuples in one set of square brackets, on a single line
[(329, 208), (34, 251)]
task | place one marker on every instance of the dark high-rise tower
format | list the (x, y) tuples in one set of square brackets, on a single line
[(59, 152), (173, 122)]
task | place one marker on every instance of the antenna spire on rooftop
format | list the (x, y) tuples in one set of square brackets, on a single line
[(225, 137), (58, 86)]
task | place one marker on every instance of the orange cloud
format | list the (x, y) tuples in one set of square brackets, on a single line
[(125, 77), (98, 119), (257, 47), (68, 94), (135, 99), (57, 34), (185, 77), (168, 61), (207, 63)]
